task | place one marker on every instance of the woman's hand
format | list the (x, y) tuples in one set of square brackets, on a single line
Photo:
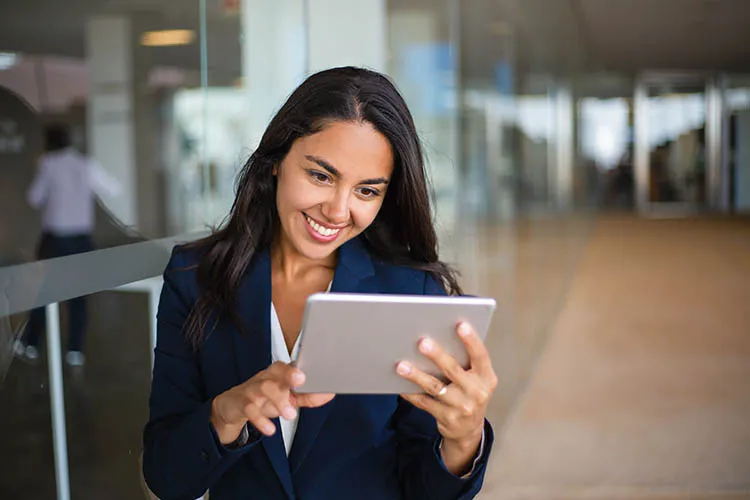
[(460, 406), (265, 396)]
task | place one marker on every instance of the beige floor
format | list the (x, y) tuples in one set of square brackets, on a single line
[(643, 388)]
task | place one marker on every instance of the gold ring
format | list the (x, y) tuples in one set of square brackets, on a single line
[(442, 391)]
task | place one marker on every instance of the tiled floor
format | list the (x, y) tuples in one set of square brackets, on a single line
[(642, 391), (106, 407)]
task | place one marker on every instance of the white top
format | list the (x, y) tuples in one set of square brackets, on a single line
[(64, 189), (279, 352)]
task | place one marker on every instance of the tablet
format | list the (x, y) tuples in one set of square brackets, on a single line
[(351, 343)]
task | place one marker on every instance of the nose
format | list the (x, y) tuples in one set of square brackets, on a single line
[(336, 208)]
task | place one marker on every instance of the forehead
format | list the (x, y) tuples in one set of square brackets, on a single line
[(357, 150)]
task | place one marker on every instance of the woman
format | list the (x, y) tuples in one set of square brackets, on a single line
[(334, 198)]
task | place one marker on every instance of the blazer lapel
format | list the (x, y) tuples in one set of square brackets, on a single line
[(252, 349), (353, 266)]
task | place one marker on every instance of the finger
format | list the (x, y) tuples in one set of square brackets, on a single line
[(447, 363), (277, 371), (259, 421), (426, 403), (287, 374), (278, 368), (277, 400), (264, 425), (431, 385), (290, 374), (295, 377), (311, 400), (478, 355)]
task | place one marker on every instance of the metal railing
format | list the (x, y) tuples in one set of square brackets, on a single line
[(46, 283)]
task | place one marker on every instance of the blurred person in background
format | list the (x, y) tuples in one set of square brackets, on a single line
[(64, 190)]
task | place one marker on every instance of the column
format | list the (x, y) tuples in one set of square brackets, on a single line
[(742, 162), (561, 172), (274, 54), (120, 127), (347, 33), (285, 41)]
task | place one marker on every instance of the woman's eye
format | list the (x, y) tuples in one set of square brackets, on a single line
[(319, 176), (369, 192)]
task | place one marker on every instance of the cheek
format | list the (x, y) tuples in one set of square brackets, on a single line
[(293, 195), (365, 213)]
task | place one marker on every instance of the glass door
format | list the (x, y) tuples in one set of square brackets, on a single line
[(671, 137)]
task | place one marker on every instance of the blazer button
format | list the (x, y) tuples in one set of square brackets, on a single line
[(204, 456)]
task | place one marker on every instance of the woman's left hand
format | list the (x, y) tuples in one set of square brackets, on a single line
[(459, 407)]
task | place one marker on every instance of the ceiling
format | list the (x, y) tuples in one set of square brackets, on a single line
[(54, 27), (537, 35), (609, 35), (683, 34)]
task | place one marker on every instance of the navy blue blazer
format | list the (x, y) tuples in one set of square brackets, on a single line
[(357, 446)]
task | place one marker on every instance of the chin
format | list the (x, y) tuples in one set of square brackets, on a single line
[(314, 251)]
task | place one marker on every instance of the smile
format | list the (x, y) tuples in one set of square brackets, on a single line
[(321, 232)]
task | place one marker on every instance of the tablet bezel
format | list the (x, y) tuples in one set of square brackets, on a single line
[(395, 343)]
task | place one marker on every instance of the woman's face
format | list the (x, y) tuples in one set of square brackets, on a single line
[(331, 186)]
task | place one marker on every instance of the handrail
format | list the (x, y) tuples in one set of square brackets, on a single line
[(49, 282), (27, 286)]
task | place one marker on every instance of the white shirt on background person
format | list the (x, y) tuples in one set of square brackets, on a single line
[(64, 189)]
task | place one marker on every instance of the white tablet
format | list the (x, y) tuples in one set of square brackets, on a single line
[(351, 343)]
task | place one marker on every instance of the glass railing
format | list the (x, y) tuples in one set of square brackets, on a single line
[(173, 124)]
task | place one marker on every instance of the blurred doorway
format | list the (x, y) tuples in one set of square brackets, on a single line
[(672, 117), (606, 148)]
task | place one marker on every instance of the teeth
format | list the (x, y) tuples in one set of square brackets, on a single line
[(323, 231)]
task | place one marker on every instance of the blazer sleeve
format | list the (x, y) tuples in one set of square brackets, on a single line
[(182, 455), (421, 469)]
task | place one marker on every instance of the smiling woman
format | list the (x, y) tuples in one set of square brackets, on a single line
[(354, 126), (321, 205), (334, 198)]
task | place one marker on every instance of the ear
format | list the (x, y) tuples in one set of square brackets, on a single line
[(275, 170)]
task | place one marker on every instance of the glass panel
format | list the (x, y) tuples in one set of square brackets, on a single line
[(606, 151), (677, 145), (106, 75), (737, 99), (516, 244), (172, 116), (217, 125), (423, 64), (535, 128)]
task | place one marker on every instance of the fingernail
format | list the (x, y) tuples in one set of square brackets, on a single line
[(463, 329), (269, 429), (290, 413), (426, 345), (403, 368), (298, 377)]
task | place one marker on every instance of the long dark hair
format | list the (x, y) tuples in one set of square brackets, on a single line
[(402, 233)]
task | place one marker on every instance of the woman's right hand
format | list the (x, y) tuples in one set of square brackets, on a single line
[(265, 396)]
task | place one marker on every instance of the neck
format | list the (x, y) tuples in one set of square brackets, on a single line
[(293, 266)]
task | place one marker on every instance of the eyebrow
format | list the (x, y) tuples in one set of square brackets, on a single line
[(335, 172)]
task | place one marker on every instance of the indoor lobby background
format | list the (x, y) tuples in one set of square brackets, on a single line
[(590, 166)]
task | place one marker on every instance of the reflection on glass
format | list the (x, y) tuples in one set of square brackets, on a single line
[(606, 148), (510, 162), (737, 99), (422, 64), (676, 139)]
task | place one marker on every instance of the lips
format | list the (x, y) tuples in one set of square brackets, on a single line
[(321, 232)]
